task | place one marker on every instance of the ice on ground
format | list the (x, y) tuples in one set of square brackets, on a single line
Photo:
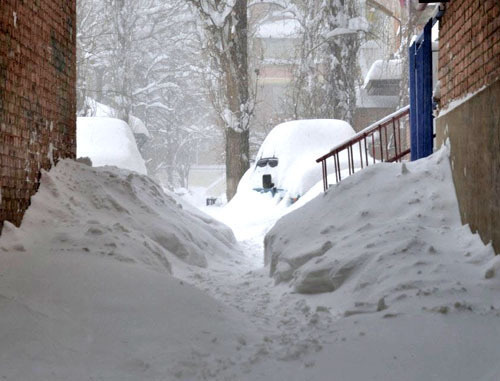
[(108, 141), (118, 214), (383, 236)]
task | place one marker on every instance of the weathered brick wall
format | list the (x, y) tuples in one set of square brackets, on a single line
[(469, 47), (37, 96), (363, 117)]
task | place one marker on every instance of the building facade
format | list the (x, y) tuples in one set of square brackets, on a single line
[(469, 75), (37, 96)]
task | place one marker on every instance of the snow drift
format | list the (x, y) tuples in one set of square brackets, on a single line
[(384, 235), (108, 141), (117, 214)]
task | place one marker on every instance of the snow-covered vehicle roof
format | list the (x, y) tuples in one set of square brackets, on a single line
[(296, 145), (108, 141)]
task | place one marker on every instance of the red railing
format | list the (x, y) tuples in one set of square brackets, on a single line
[(373, 144)]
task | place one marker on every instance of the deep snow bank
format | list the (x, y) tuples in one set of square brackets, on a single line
[(118, 214), (386, 233)]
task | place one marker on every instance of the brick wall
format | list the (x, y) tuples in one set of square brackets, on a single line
[(469, 43), (364, 117), (37, 96)]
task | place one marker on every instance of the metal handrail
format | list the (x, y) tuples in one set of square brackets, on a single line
[(375, 133)]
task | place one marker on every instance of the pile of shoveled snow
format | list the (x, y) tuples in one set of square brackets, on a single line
[(386, 237), (118, 214)]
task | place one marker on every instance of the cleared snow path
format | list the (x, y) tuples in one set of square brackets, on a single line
[(444, 324), (93, 286), (292, 332)]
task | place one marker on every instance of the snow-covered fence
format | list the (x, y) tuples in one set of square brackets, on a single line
[(381, 141)]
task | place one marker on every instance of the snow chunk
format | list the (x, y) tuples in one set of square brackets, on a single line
[(108, 141)]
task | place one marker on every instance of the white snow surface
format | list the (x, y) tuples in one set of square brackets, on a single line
[(120, 215), (376, 279), (99, 109), (86, 292), (379, 234), (138, 127), (108, 141)]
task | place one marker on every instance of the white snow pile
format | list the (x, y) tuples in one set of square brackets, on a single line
[(386, 237), (117, 214), (108, 141), (85, 288)]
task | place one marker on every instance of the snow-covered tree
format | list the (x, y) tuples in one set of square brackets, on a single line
[(142, 58), (327, 72), (225, 27)]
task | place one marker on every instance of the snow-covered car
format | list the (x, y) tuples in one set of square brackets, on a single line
[(286, 162), (108, 141)]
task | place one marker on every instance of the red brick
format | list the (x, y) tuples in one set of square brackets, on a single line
[(33, 91)]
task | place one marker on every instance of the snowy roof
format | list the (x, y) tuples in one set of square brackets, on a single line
[(283, 28), (383, 77), (384, 70)]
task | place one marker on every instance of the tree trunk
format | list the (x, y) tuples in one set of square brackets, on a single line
[(237, 134), (236, 159)]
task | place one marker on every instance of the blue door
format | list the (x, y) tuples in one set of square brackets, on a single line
[(421, 119)]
